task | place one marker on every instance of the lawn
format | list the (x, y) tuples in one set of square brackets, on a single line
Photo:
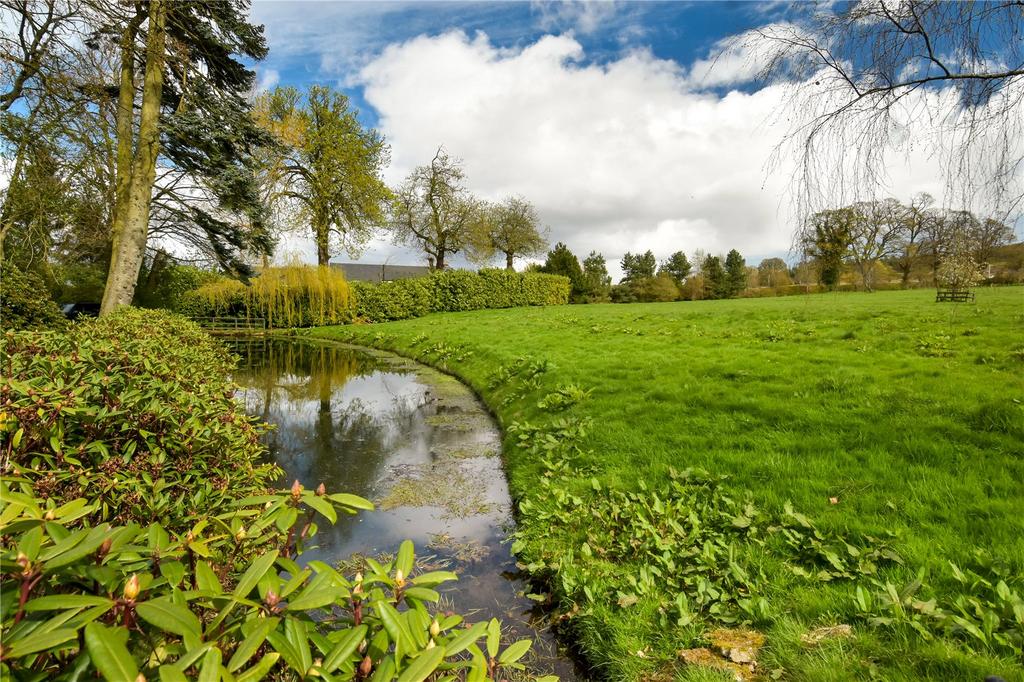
[(870, 442)]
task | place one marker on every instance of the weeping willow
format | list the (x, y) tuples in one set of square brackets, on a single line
[(285, 296)]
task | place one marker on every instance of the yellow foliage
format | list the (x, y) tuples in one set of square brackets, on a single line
[(285, 296)]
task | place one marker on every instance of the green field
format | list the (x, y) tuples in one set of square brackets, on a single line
[(895, 425)]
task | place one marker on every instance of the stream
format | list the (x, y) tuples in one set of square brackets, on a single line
[(417, 443)]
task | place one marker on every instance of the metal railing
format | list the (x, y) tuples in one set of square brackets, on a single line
[(232, 325)]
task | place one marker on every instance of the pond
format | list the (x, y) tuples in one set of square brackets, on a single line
[(418, 444)]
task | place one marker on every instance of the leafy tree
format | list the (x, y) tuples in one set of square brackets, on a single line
[(875, 234), (736, 273), (511, 228), (327, 163), (184, 80), (637, 267), (434, 211), (772, 272), (826, 237), (716, 281), (562, 261), (659, 289), (677, 266), (596, 280)]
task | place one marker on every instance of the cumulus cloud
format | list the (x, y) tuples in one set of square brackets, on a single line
[(628, 155), (617, 157)]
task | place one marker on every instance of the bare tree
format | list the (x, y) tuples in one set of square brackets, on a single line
[(434, 211), (916, 218), (863, 78), (875, 234)]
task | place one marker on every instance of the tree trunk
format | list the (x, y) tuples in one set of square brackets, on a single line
[(135, 181), (508, 260), (439, 260)]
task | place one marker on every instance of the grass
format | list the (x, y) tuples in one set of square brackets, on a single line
[(886, 418)]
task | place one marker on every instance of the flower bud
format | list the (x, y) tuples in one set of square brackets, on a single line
[(131, 587), (104, 549), (49, 515), (435, 628), (140, 678), (26, 565), (271, 599), (296, 489), (430, 644), (240, 534), (399, 578), (362, 646), (321, 490), (365, 666)]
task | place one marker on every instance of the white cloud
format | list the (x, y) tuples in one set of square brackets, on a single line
[(625, 156), (617, 157), (583, 16)]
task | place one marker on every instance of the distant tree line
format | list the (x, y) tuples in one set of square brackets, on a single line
[(905, 237)]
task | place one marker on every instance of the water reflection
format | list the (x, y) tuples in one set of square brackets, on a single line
[(418, 441)]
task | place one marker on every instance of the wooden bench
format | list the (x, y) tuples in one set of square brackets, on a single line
[(955, 295)]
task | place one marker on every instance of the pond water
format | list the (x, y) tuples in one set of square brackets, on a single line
[(420, 446)]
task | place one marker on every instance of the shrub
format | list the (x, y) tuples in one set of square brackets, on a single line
[(200, 578), (25, 302), (133, 412), (457, 290), (166, 285), (287, 296)]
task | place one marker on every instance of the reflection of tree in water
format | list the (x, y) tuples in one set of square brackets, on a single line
[(301, 371), (293, 385)]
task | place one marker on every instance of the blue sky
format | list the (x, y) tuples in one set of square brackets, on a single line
[(328, 42), (614, 119)]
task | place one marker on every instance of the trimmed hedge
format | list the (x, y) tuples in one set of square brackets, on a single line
[(457, 290)]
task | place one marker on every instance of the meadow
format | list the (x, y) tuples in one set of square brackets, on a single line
[(781, 465)]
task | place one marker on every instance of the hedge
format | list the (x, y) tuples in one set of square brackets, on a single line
[(457, 290), (447, 291)]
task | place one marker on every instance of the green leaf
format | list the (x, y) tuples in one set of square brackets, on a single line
[(170, 617), (434, 578), (353, 501), (260, 670), (37, 641), (55, 602), (252, 575), (465, 638), (106, 647), (252, 643), (313, 597), (405, 558), (206, 579), (321, 505), (170, 673), (423, 665), (209, 671), (345, 647), (514, 652), (493, 637), (423, 594)]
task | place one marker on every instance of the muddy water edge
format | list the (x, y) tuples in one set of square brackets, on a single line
[(422, 447)]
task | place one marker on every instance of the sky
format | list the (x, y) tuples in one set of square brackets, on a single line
[(617, 120)]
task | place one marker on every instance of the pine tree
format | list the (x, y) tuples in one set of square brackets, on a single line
[(736, 273), (715, 278), (562, 261)]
